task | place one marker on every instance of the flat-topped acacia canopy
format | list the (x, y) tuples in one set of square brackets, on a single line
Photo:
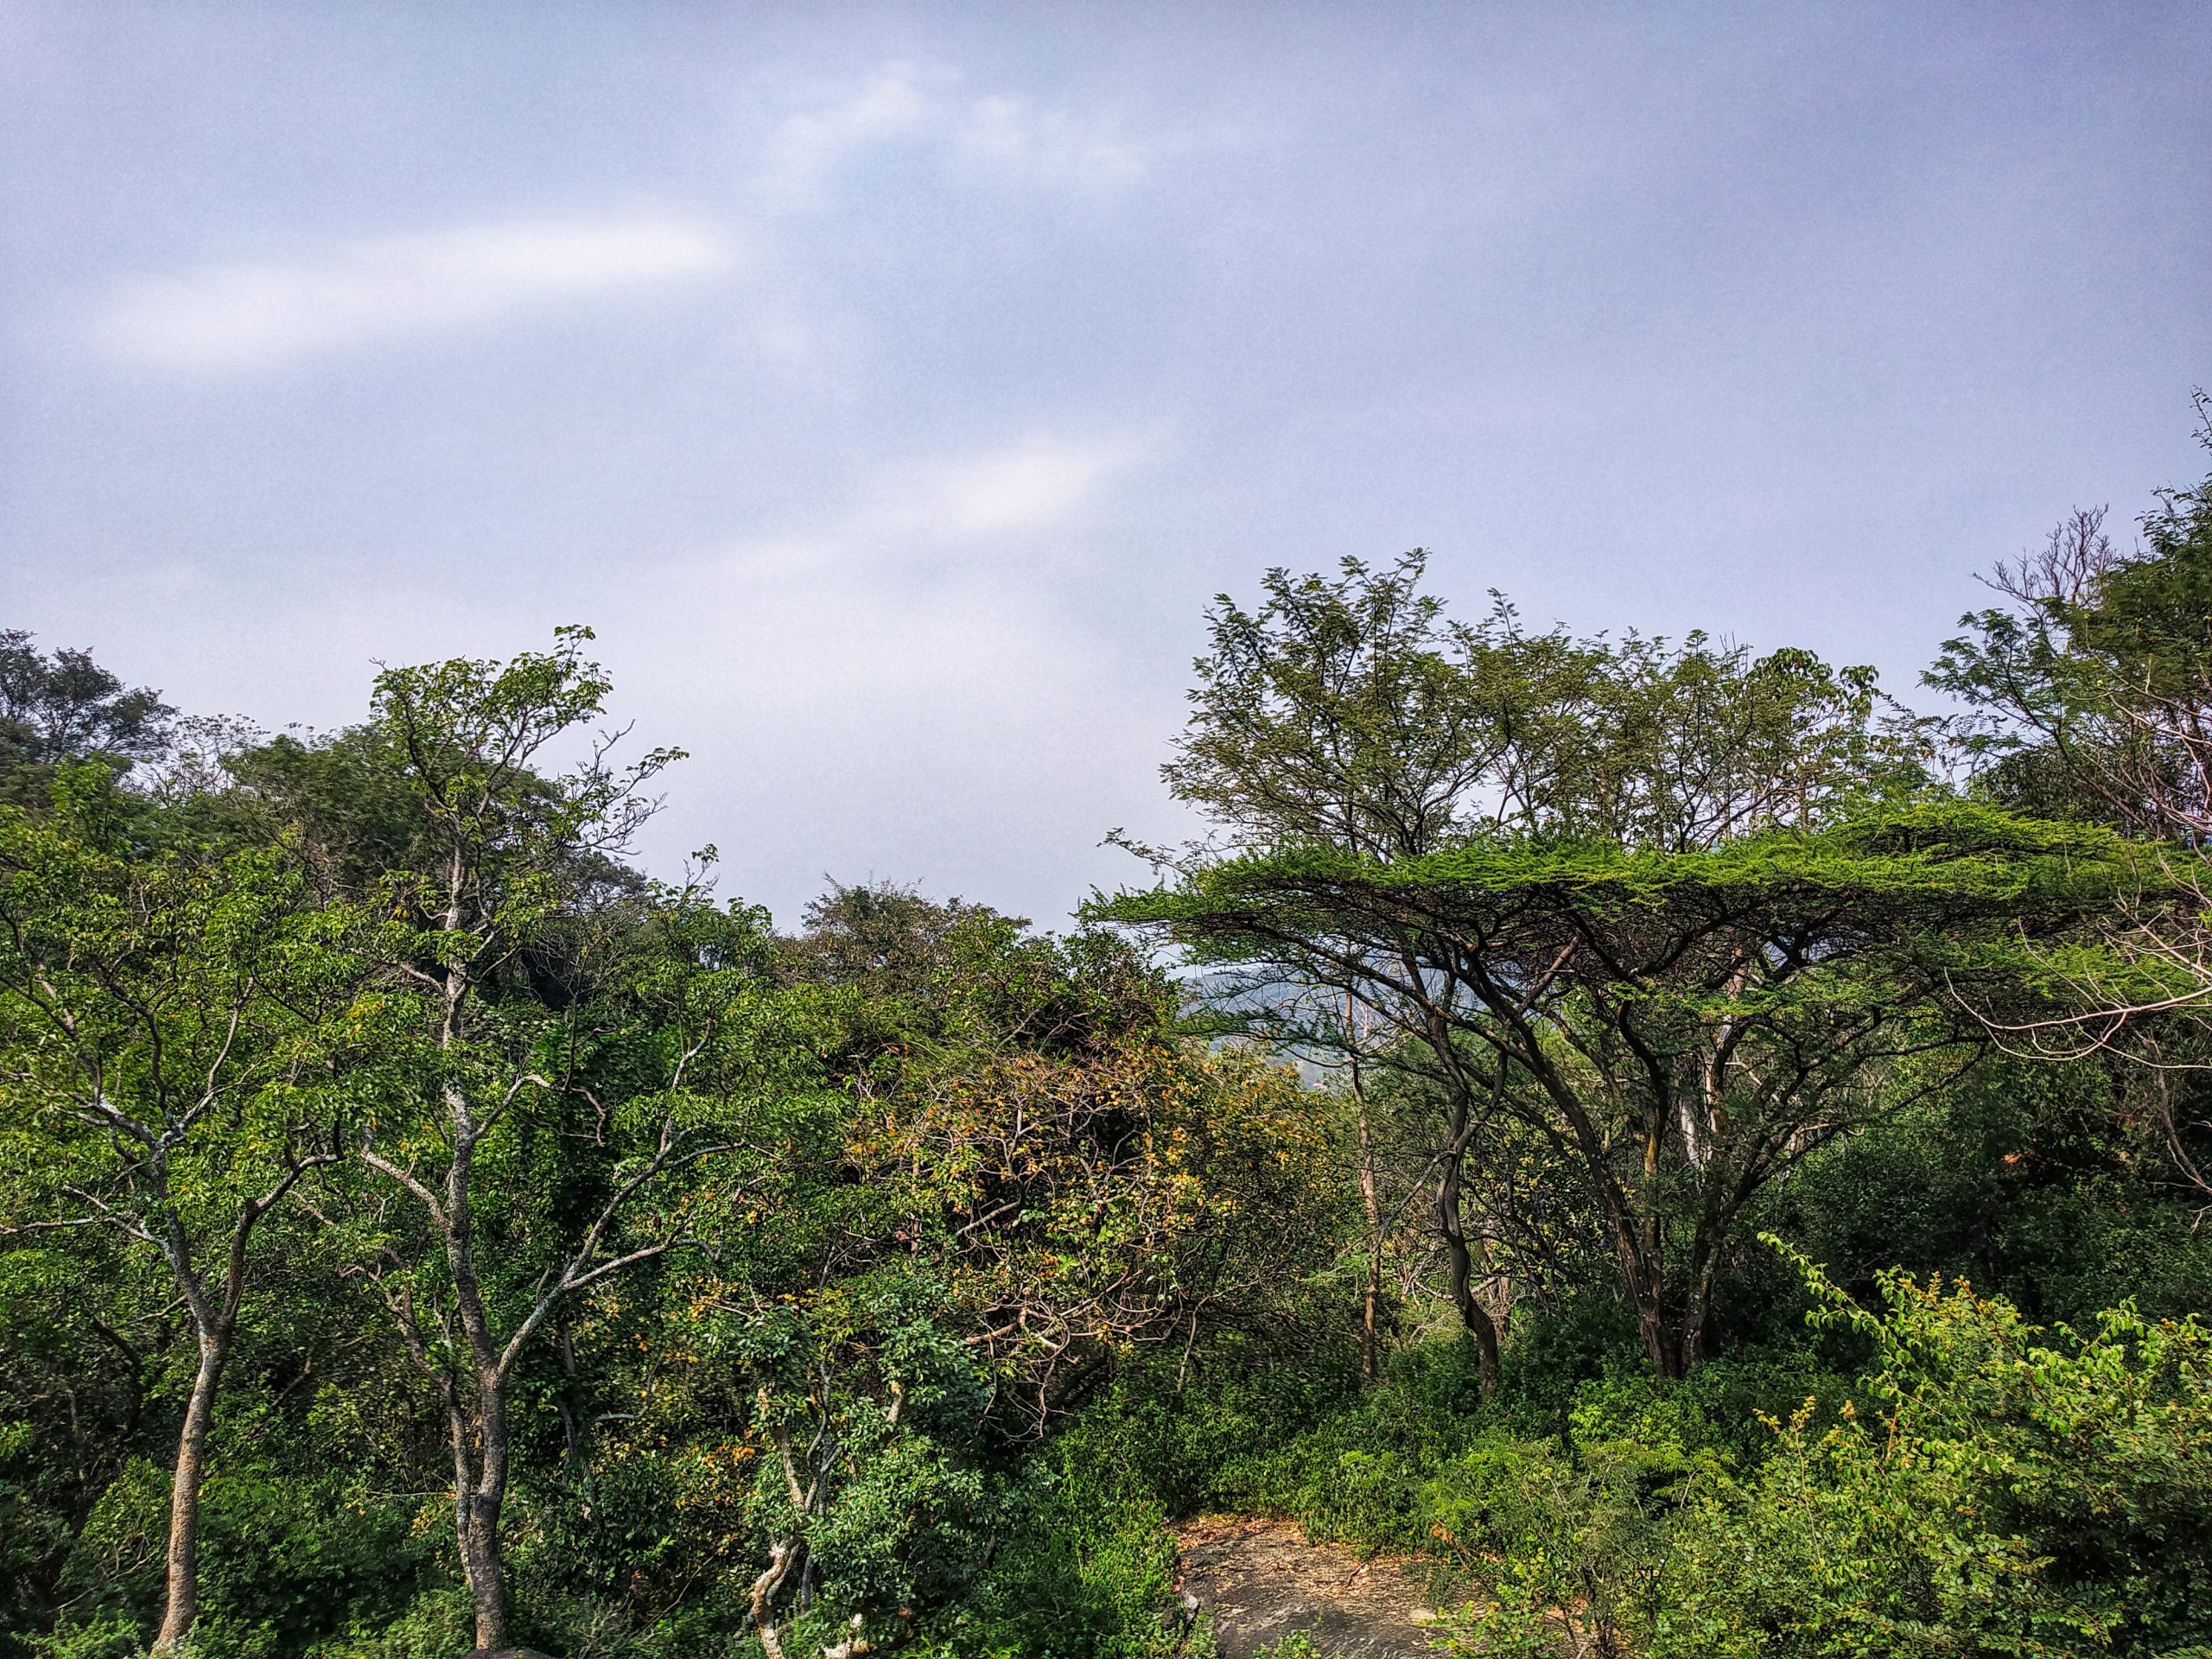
[(1683, 1025), (1941, 864)]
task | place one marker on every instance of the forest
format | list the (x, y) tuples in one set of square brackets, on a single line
[(1707, 1158)]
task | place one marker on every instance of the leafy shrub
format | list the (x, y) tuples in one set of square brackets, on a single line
[(1086, 1568), (2002, 1491), (286, 1561), (2007, 1494)]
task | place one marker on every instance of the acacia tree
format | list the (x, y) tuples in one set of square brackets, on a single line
[(516, 872), (1627, 893), (170, 1028), (1352, 714)]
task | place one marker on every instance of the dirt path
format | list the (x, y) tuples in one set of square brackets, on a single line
[(1262, 1579)]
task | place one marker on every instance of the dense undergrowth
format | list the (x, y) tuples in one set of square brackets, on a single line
[(1912, 1469), (1979, 1485)]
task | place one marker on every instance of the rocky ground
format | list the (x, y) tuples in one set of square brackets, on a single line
[(1261, 1580)]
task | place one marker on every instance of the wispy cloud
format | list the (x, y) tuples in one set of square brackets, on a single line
[(838, 674), (810, 142), (963, 506), (903, 104), (1039, 483), (252, 316)]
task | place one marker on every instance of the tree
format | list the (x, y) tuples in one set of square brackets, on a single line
[(510, 868), (66, 706), (2091, 694), (1637, 897), (1349, 714), (2091, 697), (169, 1026)]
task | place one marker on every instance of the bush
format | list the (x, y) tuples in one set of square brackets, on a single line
[(1985, 1491), (2005, 1495), (1086, 1568)]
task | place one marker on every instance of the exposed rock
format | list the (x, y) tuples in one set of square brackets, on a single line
[(1262, 1579)]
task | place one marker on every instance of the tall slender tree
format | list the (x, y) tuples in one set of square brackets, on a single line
[(514, 880), (173, 1056)]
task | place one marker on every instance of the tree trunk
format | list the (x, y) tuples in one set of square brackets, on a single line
[(181, 1604), (1705, 1274), (1645, 1281), (481, 1500), (1691, 1343), (1370, 1355), (481, 1496), (1662, 1344), (1452, 1224), (479, 1407)]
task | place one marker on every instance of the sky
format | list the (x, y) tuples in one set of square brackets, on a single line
[(892, 387)]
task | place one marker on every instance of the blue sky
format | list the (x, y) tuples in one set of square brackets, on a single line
[(893, 386)]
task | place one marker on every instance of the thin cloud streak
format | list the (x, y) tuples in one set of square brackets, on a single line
[(959, 506), (1039, 483), (900, 104), (251, 315), (259, 316)]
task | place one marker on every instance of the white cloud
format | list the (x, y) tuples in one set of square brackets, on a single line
[(1038, 484), (901, 103), (900, 676), (1047, 145), (808, 145), (966, 505), (254, 316)]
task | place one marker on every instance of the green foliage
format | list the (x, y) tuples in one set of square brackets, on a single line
[(2042, 1183), (1351, 714), (1981, 1490), (280, 1572), (1086, 1568), (897, 1285), (2086, 697), (65, 708)]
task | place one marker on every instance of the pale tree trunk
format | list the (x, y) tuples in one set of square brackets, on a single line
[(479, 1493), (481, 1558), (181, 1598), (471, 1373), (215, 1322), (1370, 1356), (473, 1385), (808, 1499), (479, 1502)]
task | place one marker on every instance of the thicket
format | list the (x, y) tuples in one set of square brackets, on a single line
[(1708, 1161)]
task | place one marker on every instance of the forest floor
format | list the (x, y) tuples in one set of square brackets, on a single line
[(1261, 1579)]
